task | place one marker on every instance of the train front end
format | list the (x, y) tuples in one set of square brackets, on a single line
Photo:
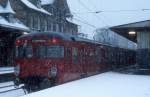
[(38, 60)]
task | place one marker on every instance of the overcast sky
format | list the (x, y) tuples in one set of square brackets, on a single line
[(81, 8)]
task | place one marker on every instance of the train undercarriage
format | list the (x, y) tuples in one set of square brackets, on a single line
[(32, 84)]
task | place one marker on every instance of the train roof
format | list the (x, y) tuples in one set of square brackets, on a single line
[(63, 36)]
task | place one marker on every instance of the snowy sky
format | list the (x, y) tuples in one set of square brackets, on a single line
[(80, 9)]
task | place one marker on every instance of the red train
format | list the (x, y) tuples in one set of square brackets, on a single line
[(44, 59)]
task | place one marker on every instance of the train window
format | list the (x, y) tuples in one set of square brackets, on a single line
[(19, 51), (28, 51), (55, 51), (24, 51), (68, 54), (41, 51), (75, 55)]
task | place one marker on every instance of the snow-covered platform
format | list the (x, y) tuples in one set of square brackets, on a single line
[(103, 85), (7, 89), (6, 70), (6, 74)]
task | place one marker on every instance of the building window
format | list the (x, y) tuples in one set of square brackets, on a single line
[(45, 25), (54, 27), (31, 22), (57, 27), (35, 20), (39, 23), (62, 28), (49, 26)]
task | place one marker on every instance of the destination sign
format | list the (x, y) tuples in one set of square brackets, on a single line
[(39, 40)]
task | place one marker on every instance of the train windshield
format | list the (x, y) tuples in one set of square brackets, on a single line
[(23, 51), (50, 51), (55, 51)]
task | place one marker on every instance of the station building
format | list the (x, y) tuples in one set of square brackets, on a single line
[(18, 17), (138, 32)]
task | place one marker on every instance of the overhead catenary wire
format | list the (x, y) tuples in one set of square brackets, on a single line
[(87, 8), (85, 22), (111, 11), (104, 17)]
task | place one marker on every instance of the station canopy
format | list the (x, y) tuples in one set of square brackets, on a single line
[(130, 30)]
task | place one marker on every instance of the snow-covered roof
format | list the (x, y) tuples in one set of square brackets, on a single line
[(32, 6), (71, 21), (1, 9), (16, 24), (46, 2), (7, 9)]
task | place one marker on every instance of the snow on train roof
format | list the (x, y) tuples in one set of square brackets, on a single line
[(67, 37), (48, 34)]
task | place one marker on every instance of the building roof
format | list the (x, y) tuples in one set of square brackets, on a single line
[(32, 6), (136, 26), (7, 9), (46, 2), (16, 24)]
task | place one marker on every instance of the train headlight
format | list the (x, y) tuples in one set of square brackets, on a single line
[(53, 71), (17, 70)]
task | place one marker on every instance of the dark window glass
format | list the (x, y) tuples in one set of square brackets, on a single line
[(55, 51), (54, 27), (19, 51), (24, 51), (41, 51), (68, 54), (75, 55), (82, 59), (28, 52)]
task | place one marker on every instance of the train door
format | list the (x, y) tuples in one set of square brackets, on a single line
[(68, 59), (83, 60), (76, 68)]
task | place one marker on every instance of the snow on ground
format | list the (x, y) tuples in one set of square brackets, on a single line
[(14, 93), (5, 70), (104, 85), (6, 84)]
